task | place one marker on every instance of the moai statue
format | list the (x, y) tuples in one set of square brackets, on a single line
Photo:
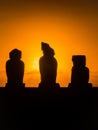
[(48, 67), (80, 73), (15, 69)]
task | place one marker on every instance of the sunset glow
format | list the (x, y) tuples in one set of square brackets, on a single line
[(69, 30), (35, 65)]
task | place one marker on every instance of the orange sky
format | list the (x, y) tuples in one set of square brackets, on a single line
[(69, 27)]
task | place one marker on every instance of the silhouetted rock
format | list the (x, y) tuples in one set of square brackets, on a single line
[(15, 69), (80, 73), (48, 67)]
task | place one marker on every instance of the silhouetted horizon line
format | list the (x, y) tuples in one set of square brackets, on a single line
[(38, 87)]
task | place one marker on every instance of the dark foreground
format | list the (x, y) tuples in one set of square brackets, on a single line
[(62, 108)]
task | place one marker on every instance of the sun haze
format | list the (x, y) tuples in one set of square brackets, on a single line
[(69, 27)]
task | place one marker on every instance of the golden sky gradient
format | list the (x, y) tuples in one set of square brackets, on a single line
[(70, 27)]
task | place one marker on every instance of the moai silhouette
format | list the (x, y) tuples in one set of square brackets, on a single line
[(48, 67), (80, 73), (15, 69)]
